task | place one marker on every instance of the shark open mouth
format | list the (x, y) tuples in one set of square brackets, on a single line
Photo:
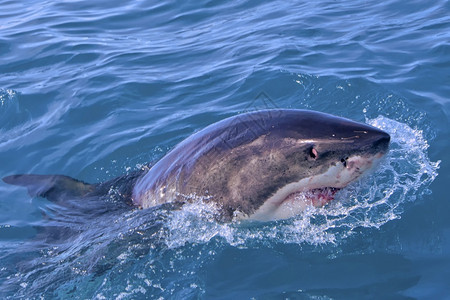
[(297, 200), (317, 197)]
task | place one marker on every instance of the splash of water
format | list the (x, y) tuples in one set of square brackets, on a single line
[(404, 175)]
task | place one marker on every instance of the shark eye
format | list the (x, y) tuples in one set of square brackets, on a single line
[(313, 153)]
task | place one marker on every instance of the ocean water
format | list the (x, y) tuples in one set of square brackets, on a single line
[(97, 89)]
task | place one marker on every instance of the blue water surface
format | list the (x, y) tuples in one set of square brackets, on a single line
[(97, 89)]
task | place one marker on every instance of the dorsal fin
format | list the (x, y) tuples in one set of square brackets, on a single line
[(52, 187)]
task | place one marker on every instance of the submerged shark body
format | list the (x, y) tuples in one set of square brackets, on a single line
[(262, 165)]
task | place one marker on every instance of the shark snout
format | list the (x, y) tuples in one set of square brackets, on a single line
[(371, 139), (381, 141)]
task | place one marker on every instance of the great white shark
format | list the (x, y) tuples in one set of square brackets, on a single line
[(262, 165)]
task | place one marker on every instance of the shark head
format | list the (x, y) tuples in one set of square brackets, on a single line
[(265, 165), (323, 154)]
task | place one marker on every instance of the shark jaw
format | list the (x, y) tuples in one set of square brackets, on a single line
[(314, 191)]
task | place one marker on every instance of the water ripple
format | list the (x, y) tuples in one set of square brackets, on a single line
[(94, 89)]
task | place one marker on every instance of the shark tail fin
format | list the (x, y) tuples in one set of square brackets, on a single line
[(52, 187)]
